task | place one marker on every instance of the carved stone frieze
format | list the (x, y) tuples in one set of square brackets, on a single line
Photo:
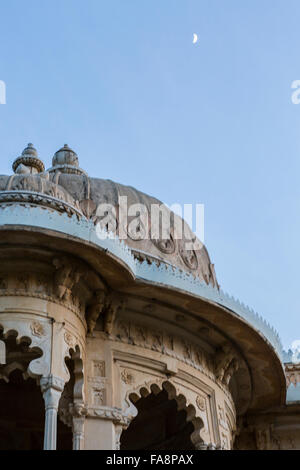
[(163, 342), (36, 285)]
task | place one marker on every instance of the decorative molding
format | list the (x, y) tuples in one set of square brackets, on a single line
[(113, 414), (26, 198)]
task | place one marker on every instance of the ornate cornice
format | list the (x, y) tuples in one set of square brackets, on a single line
[(30, 197)]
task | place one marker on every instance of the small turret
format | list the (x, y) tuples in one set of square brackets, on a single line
[(28, 162)]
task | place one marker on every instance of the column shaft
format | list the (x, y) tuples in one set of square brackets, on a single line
[(52, 388)]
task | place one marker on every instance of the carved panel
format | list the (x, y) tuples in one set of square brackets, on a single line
[(37, 329), (99, 368), (99, 396)]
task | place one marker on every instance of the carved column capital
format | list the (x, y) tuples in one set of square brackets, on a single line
[(79, 413), (78, 410), (56, 383)]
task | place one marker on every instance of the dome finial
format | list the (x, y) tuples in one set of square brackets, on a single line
[(65, 156), (28, 162), (65, 160)]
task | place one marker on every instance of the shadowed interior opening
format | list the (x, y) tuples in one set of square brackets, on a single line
[(22, 416), (158, 426)]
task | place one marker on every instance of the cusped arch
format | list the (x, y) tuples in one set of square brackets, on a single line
[(21, 336), (174, 393)]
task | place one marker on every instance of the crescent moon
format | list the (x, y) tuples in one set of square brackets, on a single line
[(195, 38)]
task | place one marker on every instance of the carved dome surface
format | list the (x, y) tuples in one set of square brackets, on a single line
[(90, 192), (67, 188)]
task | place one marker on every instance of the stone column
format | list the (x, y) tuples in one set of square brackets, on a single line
[(2, 353), (118, 431), (52, 388), (78, 433), (78, 412)]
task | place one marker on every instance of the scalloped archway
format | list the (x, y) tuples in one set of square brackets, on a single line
[(164, 420)]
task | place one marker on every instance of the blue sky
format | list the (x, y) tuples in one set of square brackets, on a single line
[(213, 122)]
